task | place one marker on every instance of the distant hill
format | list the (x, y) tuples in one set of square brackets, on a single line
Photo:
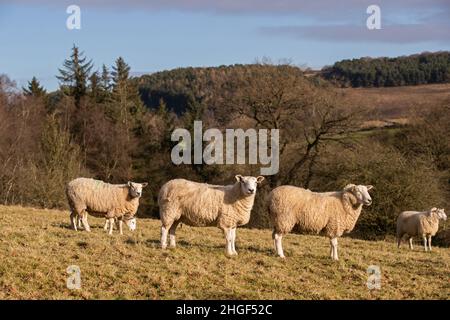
[(424, 68), (182, 87)]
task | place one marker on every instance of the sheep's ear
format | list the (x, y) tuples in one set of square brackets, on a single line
[(144, 184), (369, 187), (350, 187), (259, 179), (129, 183), (238, 178), (432, 212)]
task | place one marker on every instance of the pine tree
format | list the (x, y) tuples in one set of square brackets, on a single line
[(121, 72), (95, 90), (128, 106), (105, 81), (74, 75), (34, 89)]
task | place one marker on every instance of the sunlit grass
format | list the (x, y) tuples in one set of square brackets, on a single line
[(36, 247)]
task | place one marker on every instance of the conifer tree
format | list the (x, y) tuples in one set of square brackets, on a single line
[(34, 89), (127, 105), (95, 87), (105, 81), (74, 75)]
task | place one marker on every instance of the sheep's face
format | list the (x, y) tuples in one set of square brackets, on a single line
[(131, 223), (249, 184), (440, 213), (135, 189), (361, 193)]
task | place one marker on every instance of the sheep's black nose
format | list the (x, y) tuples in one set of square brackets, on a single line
[(251, 190)]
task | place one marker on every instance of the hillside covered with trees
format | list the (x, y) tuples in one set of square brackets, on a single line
[(424, 68), (102, 123)]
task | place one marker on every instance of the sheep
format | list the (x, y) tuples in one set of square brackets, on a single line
[(202, 204), (415, 223), (333, 213), (97, 198)]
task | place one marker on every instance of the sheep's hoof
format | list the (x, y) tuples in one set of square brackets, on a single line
[(164, 247)]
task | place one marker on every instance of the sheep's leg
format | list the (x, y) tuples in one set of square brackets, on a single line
[(425, 242), (334, 245), (74, 220), (399, 241), (120, 222), (105, 227), (411, 243), (429, 243), (277, 237), (172, 230), (85, 222), (164, 232), (331, 249), (229, 241), (233, 242), (111, 226)]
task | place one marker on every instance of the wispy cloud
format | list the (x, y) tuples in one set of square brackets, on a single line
[(394, 33), (403, 21)]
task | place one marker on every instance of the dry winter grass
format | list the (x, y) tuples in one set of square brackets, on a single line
[(36, 247), (396, 104)]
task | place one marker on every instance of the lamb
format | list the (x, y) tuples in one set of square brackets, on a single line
[(415, 223), (97, 198), (333, 213), (131, 223), (201, 204)]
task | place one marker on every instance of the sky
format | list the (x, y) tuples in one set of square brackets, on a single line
[(157, 35)]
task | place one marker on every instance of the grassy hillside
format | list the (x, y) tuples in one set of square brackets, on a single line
[(396, 104), (37, 246)]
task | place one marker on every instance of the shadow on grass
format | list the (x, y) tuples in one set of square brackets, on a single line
[(64, 225)]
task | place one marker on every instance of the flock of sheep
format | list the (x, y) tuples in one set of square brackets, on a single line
[(227, 207)]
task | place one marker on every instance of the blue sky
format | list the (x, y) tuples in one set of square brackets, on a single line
[(156, 35)]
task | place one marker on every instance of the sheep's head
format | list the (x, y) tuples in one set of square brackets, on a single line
[(131, 223), (361, 193), (135, 189), (440, 213), (248, 184)]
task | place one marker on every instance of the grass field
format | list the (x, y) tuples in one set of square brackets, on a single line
[(396, 104), (37, 246)]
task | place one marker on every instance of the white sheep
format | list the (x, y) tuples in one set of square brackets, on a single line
[(334, 213), (415, 223), (100, 199), (201, 204)]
